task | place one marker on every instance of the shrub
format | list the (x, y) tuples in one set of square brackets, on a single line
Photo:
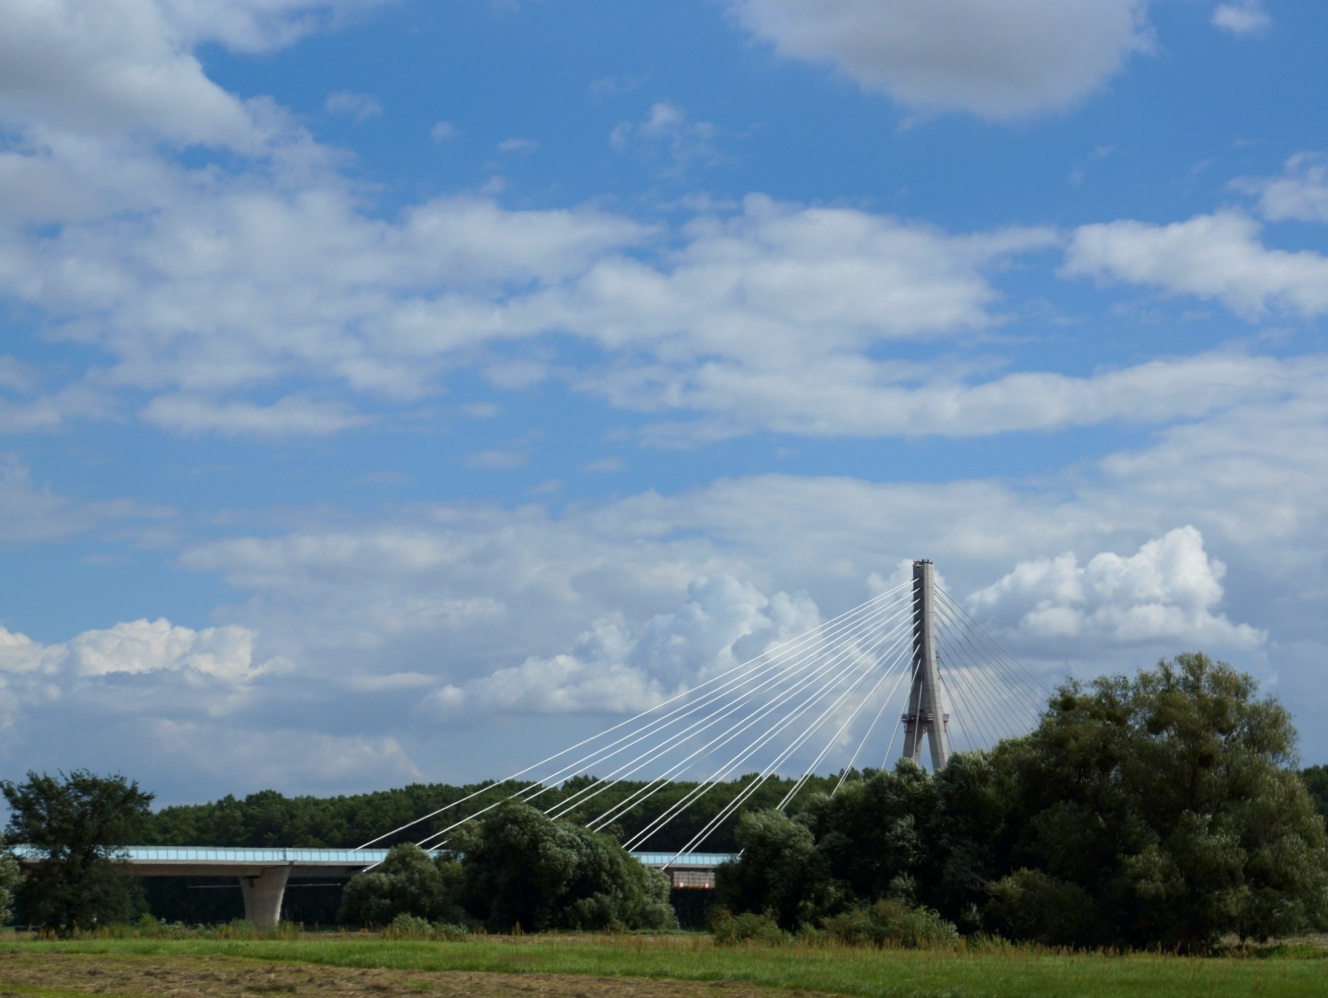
[(891, 922), (408, 927), (729, 929)]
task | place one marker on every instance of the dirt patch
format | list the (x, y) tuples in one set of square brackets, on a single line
[(220, 977)]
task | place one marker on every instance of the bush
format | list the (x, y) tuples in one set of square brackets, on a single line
[(407, 882), (1031, 905), (891, 923), (729, 929), (523, 868), (408, 927)]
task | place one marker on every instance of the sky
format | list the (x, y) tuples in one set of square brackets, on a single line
[(399, 390)]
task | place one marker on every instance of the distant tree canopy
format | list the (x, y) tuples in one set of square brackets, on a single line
[(268, 818), (1147, 811), (77, 825)]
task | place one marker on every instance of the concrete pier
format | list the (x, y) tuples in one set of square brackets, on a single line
[(263, 893)]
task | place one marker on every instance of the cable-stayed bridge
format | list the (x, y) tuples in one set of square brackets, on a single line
[(911, 657), (909, 667)]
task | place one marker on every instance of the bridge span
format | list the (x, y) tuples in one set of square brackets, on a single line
[(264, 873)]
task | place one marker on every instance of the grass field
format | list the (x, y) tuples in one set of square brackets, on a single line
[(637, 965)]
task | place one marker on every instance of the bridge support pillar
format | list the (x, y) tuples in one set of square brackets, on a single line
[(263, 895), (926, 713)]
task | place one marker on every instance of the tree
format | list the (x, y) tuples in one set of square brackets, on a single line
[(8, 877), (76, 826), (407, 882), (521, 868), (1315, 779), (1161, 807), (780, 870)]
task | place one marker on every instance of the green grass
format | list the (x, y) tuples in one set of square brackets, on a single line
[(994, 969)]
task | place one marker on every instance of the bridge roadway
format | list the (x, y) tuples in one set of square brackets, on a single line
[(264, 873)]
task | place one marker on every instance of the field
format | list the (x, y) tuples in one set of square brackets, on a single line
[(598, 966)]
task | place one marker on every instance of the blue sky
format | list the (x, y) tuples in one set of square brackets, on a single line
[(390, 389)]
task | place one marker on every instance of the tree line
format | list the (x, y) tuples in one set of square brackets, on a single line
[(1159, 809)]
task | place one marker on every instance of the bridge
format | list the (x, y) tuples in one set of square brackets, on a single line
[(264, 874), (804, 703)]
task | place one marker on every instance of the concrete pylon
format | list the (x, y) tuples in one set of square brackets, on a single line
[(925, 711), (263, 894)]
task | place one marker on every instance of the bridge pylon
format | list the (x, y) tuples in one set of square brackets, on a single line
[(926, 713)]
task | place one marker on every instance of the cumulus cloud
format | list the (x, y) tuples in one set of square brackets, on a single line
[(619, 668), (999, 60), (141, 667), (1167, 591), (525, 609), (1242, 19), (106, 66), (139, 647), (1300, 194), (1218, 256)]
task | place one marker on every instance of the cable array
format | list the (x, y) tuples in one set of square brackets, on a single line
[(798, 705)]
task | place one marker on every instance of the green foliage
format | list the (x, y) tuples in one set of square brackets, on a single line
[(729, 929), (523, 869), (1146, 811), (780, 872), (1315, 779), (407, 884), (76, 825), (408, 927), (873, 835), (1036, 907), (8, 877), (892, 922), (1164, 800)]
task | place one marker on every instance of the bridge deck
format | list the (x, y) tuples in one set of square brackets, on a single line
[(695, 869)]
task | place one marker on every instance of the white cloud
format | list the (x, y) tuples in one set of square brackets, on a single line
[(287, 759), (139, 668), (1218, 256), (999, 60), (1242, 19), (31, 512), (1168, 591), (515, 610), (259, 25), (853, 397), (105, 66), (519, 147), (328, 292), (667, 131), (288, 417), (443, 131), (618, 668), (1301, 193), (360, 107), (139, 647)]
